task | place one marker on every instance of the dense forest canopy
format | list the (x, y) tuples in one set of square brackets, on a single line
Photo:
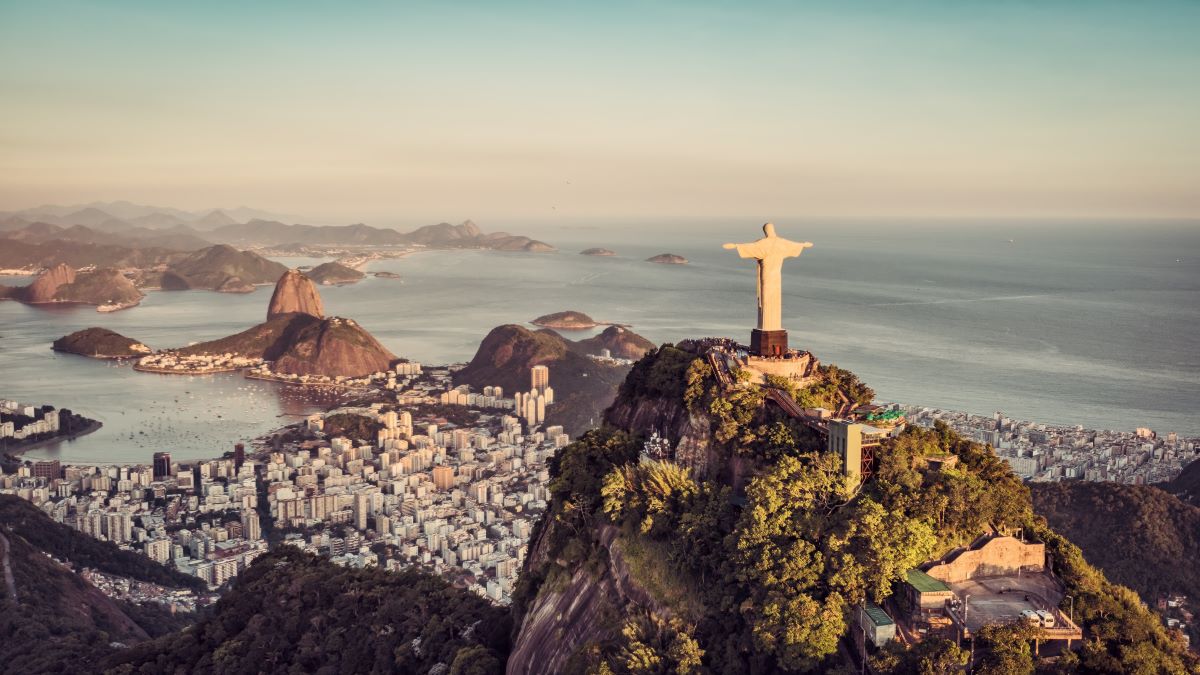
[(765, 582)]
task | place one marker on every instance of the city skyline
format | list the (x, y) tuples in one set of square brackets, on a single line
[(385, 113)]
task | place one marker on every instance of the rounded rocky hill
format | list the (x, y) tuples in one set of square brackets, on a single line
[(668, 259), (331, 273), (213, 267), (333, 347), (619, 341), (295, 293), (60, 283), (568, 320), (100, 343)]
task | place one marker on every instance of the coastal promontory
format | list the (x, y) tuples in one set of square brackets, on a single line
[(100, 343), (107, 288), (296, 339), (668, 259)]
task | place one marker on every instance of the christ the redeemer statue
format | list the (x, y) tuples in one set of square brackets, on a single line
[(769, 339)]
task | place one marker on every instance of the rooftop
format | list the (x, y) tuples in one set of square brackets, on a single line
[(878, 616), (925, 583)]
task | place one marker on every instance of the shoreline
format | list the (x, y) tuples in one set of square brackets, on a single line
[(167, 371), (93, 426), (298, 383)]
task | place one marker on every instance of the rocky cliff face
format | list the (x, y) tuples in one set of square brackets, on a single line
[(295, 293), (559, 622), (333, 347), (104, 286), (44, 288)]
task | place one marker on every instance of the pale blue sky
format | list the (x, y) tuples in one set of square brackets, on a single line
[(411, 111)]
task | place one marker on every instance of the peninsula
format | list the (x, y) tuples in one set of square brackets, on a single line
[(106, 288)]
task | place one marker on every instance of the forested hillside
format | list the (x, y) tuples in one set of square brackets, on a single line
[(1139, 535), (703, 578), (295, 612)]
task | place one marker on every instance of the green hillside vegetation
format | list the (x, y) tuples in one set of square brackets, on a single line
[(1139, 535), (99, 287), (295, 612), (59, 622), (99, 342), (65, 543), (1186, 485), (266, 340), (770, 582), (582, 387), (357, 428)]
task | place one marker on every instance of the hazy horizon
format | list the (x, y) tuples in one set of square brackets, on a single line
[(411, 113)]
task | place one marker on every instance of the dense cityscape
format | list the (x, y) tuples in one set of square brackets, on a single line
[(1048, 452), (459, 499)]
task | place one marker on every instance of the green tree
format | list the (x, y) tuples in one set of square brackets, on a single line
[(1006, 649)]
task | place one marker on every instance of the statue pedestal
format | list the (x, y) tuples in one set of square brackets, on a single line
[(768, 342)]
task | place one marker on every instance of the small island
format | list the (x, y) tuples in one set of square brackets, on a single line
[(597, 252), (569, 320), (386, 275), (668, 259), (100, 343), (334, 273)]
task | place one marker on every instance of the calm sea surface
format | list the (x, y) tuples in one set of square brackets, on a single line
[(1096, 325)]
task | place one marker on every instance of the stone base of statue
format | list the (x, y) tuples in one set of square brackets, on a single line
[(798, 366), (768, 343)]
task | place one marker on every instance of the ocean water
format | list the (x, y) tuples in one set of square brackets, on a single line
[(1092, 324)]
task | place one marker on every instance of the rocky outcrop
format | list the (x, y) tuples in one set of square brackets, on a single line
[(668, 259), (508, 352), (568, 320), (46, 285), (295, 293), (620, 341), (334, 347), (559, 622), (583, 388), (100, 343), (334, 272), (597, 252), (106, 287)]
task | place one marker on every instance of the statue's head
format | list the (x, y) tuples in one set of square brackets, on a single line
[(769, 229)]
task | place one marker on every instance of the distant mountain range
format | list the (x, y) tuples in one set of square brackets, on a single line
[(135, 224)]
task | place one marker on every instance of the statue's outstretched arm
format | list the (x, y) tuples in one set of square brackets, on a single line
[(729, 246)]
